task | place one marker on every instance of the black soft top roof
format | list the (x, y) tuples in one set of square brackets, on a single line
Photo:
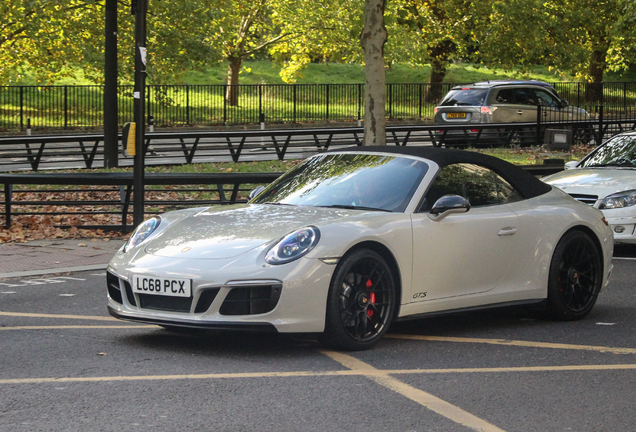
[(527, 184)]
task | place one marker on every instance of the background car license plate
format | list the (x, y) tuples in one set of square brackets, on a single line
[(456, 115), (162, 286)]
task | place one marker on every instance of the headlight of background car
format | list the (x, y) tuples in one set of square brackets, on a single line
[(619, 200), (293, 246), (142, 232)]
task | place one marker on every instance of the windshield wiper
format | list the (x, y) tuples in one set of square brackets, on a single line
[(277, 203), (612, 164), (355, 207)]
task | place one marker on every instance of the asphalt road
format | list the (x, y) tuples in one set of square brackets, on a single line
[(66, 366)]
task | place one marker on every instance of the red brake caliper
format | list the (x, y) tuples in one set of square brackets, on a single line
[(371, 298)]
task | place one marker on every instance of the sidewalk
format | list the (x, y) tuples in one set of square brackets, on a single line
[(43, 257)]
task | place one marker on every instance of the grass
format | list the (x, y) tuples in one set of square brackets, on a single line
[(266, 72)]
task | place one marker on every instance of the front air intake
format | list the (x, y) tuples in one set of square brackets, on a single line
[(251, 300)]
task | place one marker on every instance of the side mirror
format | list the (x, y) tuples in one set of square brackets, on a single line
[(255, 192), (564, 103), (448, 204), (570, 165)]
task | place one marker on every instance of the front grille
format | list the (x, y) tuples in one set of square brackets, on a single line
[(251, 300), (586, 199), (112, 282), (165, 303)]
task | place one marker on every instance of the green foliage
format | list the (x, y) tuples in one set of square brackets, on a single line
[(45, 41), (582, 37)]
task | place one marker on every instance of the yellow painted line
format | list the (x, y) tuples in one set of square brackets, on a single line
[(366, 370), (570, 368), (526, 344), (427, 400), (177, 377), (35, 315), (79, 327)]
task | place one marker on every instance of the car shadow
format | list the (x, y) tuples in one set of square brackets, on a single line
[(456, 324), (208, 342), (625, 251)]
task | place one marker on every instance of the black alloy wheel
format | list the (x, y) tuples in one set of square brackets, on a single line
[(576, 275), (361, 301)]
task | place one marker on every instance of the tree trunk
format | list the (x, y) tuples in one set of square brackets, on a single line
[(440, 55), (594, 90), (232, 93), (372, 39)]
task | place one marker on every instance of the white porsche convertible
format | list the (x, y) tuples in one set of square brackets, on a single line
[(349, 241)]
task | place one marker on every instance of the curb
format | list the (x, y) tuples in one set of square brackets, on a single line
[(53, 271)]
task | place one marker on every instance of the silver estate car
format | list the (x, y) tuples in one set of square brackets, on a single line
[(501, 102)]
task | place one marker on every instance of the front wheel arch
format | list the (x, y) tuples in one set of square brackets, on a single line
[(388, 256)]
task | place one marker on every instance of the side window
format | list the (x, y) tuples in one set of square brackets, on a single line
[(505, 96), (525, 96), (481, 186), (546, 99)]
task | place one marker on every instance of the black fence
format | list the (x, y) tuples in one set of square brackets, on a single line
[(81, 107), (104, 201), (34, 153)]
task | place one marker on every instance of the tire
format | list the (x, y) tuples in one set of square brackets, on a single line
[(576, 275), (361, 302), (585, 136), (516, 140)]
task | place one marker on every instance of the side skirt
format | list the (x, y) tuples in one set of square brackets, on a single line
[(537, 302)]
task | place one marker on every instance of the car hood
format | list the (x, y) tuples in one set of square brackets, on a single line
[(594, 181), (226, 232)]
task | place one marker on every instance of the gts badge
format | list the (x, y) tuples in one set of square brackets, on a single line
[(419, 295)]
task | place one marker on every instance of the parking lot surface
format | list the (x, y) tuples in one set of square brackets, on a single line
[(68, 366)]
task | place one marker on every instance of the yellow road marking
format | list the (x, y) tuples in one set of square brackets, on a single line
[(350, 372), (427, 400), (518, 343), (35, 315), (79, 327)]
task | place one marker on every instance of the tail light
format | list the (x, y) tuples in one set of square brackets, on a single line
[(485, 110)]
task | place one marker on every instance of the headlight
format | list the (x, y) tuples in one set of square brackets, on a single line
[(142, 232), (293, 246), (619, 200)]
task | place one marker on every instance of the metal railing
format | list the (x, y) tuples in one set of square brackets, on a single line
[(35, 153), (81, 107), (55, 196), (77, 198)]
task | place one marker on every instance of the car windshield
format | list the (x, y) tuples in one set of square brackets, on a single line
[(348, 180), (465, 97), (620, 151)]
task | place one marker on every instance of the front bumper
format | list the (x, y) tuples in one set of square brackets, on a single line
[(624, 228), (240, 294)]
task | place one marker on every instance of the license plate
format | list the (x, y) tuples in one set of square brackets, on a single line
[(456, 115), (162, 286)]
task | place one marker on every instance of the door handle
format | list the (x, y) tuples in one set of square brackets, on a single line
[(507, 231), (520, 112)]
